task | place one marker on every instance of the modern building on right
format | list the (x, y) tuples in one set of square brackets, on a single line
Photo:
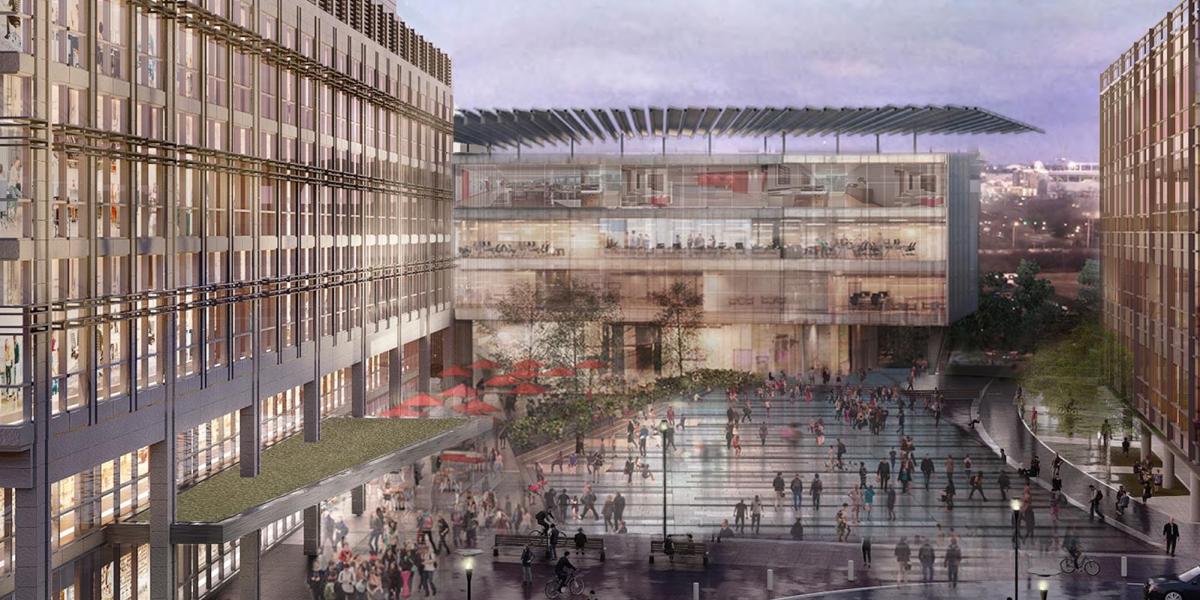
[(1149, 223)]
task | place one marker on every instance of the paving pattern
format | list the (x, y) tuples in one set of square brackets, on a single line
[(701, 492)]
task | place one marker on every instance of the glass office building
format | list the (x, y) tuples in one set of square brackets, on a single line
[(800, 259), (1149, 218), (221, 221), (803, 261)]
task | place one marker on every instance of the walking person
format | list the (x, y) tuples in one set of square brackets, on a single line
[(797, 488), (866, 550), (778, 485), (552, 542), (843, 527), (739, 516), (527, 566), (869, 499), (952, 560), (815, 488), (927, 470), (1171, 532), (977, 486), (1096, 496), (589, 503), (607, 513), (756, 509), (926, 557), (903, 555), (891, 504), (1003, 483), (618, 510), (428, 566)]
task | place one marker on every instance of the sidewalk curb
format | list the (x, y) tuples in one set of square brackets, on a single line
[(981, 429)]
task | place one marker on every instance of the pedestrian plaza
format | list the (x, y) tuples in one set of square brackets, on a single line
[(705, 480)]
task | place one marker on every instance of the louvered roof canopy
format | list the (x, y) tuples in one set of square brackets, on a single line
[(552, 126)]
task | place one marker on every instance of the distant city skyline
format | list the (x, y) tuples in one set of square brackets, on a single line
[(1038, 62)]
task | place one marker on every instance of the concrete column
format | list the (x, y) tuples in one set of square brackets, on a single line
[(162, 515), (448, 347), (250, 570), (1144, 431), (618, 349), (32, 581), (312, 411), (423, 357), (312, 530), (250, 439), (358, 500), (1194, 495), (358, 389), (395, 374), (1168, 471)]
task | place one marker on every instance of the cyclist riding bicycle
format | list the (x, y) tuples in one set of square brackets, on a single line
[(563, 570), (1074, 549), (545, 520)]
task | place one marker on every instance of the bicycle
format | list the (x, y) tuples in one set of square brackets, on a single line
[(573, 587), (536, 531), (1086, 564)]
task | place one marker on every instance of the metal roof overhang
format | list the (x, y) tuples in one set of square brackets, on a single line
[(508, 128)]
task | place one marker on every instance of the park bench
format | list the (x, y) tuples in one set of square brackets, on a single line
[(516, 542), (506, 541), (685, 552)]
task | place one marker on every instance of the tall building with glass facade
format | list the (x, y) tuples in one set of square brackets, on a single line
[(1150, 219), (221, 221), (803, 261)]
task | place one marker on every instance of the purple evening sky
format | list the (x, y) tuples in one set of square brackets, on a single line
[(1037, 60)]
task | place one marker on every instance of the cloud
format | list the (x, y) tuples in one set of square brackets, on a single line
[(1036, 61)]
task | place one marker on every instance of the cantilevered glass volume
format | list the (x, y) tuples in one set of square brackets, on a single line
[(803, 262)]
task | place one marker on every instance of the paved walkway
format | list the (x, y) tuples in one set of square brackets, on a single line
[(705, 481), (1002, 424)]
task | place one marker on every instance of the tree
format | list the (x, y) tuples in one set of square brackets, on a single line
[(1089, 287), (524, 306), (577, 317), (1012, 315), (681, 311)]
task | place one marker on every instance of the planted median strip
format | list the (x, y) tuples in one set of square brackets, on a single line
[(293, 464)]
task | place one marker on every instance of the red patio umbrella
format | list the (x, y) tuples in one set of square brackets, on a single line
[(484, 364), (455, 371), (523, 374), (502, 381), (591, 363), (476, 407), (558, 372), (421, 400), (463, 456), (459, 391), (400, 411), (528, 389), (528, 363)]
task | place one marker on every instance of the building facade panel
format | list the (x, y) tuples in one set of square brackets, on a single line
[(1150, 221), (204, 207)]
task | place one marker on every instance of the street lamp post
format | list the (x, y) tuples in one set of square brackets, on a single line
[(1016, 521), (469, 567), (662, 429)]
